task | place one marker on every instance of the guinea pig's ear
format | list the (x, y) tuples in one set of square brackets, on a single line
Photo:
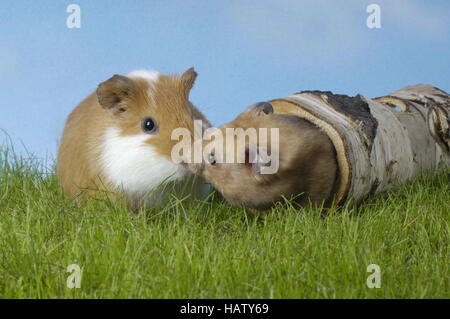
[(261, 108), (187, 81), (113, 94)]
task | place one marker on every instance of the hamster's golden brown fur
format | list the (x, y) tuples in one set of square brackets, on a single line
[(307, 164)]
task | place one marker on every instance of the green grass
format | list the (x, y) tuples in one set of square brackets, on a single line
[(213, 250)]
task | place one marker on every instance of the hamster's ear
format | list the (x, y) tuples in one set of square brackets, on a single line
[(188, 80), (113, 94), (261, 108)]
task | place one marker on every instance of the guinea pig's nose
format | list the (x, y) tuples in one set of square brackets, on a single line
[(190, 167), (184, 164), (196, 168)]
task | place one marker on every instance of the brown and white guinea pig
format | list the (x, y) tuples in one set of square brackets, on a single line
[(119, 139), (307, 165)]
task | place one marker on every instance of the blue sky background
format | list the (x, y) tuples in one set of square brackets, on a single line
[(244, 51)]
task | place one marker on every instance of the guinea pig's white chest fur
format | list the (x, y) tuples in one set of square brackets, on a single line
[(133, 166)]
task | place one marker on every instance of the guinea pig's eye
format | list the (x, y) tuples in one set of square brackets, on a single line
[(149, 125), (212, 159)]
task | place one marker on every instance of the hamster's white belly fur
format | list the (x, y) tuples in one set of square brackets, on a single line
[(133, 166)]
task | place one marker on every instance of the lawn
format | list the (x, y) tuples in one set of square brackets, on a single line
[(210, 249)]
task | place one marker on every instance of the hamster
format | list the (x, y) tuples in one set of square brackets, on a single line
[(307, 164), (119, 139)]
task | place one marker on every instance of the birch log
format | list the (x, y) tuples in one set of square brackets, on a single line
[(379, 142)]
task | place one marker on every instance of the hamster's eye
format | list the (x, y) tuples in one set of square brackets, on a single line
[(212, 159), (149, 125)]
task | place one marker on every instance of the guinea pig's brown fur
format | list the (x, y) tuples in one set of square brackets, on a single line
[(307, 163), (107, 146)]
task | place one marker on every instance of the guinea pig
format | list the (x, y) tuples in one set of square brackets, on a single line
[(119, 139), (306, 170)]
